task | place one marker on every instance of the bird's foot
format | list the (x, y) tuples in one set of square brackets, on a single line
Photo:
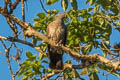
[(59, 43)]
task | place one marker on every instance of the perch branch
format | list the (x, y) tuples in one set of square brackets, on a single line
[(91, 58)]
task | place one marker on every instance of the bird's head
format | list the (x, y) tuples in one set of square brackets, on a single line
[(61, 16)]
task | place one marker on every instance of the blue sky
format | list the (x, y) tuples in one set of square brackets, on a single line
[(34, 7)]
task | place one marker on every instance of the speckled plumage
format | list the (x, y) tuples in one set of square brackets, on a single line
[(56, 31)]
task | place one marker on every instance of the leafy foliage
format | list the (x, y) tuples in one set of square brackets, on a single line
[(86, 29), (33, 67)]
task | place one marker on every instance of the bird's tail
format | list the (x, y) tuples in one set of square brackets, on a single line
[(55, 59)]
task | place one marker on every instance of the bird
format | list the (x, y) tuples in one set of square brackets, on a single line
[(56, 31)]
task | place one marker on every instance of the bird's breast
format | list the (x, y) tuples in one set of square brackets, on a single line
[(57, 33)]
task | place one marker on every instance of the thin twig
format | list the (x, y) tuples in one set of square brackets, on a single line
[(43, 7), (7, 58), (13, 6), (12, 26), (108, 51), (23, 11)]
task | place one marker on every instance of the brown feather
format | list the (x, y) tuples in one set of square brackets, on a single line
[(56, 31)]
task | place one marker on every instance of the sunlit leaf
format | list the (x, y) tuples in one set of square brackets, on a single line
[(50, 2), (96, 8), (87, 1), (74, 4), (92, 2), (52, 12), (64, 4), (41, 15), (20, 72), (24, 77), (94, 76), (84, 71), (40, 56), (26, 62), (28, 54)]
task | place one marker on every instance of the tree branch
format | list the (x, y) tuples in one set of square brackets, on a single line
[(7, 58), (43, 7), (91, 58), (12, 39), (14, 5), (47, 76), (12, 26), (23, 11)]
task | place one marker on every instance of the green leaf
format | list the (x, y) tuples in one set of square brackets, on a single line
[(87, 1), (28, 72), (52, 12), (96, 8), (24, 77), (28, 54), (94, 76), (74, 4), (41, 15), (64, 4), (49, 70), (92, 2), (40, 56), (86, 39), (37, 19), (50, 2), (84, 71), (27, 62), (36, 67), (32, 58), (20, 72)]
